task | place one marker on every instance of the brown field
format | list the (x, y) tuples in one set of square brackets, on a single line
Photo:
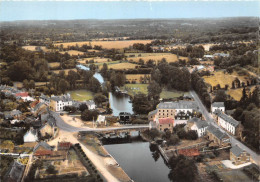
[(154, 56), (220, 78), (93, 50), (73, 52), (20, 84), (32, 48), (135, 77), (237, 93), (54, 64), (96, 60), (107, 44), (120, 66), (66, 71)]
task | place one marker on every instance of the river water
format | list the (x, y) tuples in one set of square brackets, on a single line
[(118, 103), (139, 162)]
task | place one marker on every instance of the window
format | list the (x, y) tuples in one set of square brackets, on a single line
[(238, 158)]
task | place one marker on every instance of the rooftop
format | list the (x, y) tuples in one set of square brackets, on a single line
[(228, 119), (166, 121), (236, 150), (22, 94), (189, 152), (63, 98), (218, 104), (182, 104), (44, 145), (216, 132)]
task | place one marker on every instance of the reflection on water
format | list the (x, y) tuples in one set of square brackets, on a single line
[(120, 104), (96, 75), (141, 162)]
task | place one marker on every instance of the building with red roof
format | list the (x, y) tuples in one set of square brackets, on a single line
[(163, 124), (25, 96), (64, 145)]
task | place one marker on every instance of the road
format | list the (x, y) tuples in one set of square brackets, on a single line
[(66, 127), (234, 141)]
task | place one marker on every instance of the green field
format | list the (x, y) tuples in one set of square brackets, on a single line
[(134, 89), (81, 95)]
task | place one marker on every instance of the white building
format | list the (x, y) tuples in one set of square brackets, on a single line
[(58, 103), (45, 99), (91, 104), (30, 136), (101, 119), (197, 125), (227, 122), (218, 106)]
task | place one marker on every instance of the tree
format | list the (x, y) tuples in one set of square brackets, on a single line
[(154, 133), (99, 98), (32, 84), (51, 170), (221, 96), (89, 115), (156, 75), (63, 85), (191, 135), (94, 85), (26, 84), (83, 107), (174, 139), (154, 90)]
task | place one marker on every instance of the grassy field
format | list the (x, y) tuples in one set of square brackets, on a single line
[(135, 77), (154, 56), (237, 93), (134, 89), (65, 70), (20, 84), (220, 78), (107, 44), (96, 60), (73, 52), (81, 95), (54, 64), (118, 66), (32, 48)]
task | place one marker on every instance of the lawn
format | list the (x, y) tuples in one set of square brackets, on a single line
[(221, 78), (119, 66), (81, 95), (135, 77), (20, 84), (134, 89), (32, 48), (237, 93), (107, 44), (154, 56), (65, 70)]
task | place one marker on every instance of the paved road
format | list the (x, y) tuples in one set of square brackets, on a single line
[(234, 141), (66, 127)]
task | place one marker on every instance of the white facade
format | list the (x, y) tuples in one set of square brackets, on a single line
[(101, 119), (28, 98), (59, 105), (213, 109), (30, 136), (200, 131), (227, 126)]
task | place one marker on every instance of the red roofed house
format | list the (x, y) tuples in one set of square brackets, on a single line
[(64, 145), (25, 96), (162, 124), (189, 152)]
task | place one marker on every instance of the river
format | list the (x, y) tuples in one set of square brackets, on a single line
[(139, 162), (118, 103)]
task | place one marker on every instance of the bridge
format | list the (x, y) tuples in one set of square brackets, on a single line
[(66, 127)]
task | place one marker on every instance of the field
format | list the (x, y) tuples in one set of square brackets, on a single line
[(237, 93), (106, 44), (81, 95), (54, 64), (221, 78), (20, 84), (134, 89), (32, 48), (118, 66), (65, 70), (154, 56), (96, 60), (73, 52), (135, 77)]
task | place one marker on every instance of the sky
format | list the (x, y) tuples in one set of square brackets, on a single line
[(69, 10)]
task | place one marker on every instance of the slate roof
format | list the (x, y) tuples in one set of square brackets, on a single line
[(216, 132), (228, 119), (15, 112), (218, 104), (202, 124), (43, 144), (15, 173), (236, 150), (182, 104), (44, 97), (63, 98), (194, 119)]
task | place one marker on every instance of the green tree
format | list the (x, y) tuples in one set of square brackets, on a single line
[(99, 98), (154, 90), (32, 84), (89, 115), (63, 85)]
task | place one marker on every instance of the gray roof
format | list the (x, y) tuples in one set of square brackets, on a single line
[(202, 124), (152, 112), (43, 144), (228, 119), (218, 104), (16, 172), (63, 98), (236, 150), (15, 112), (194, 119), (215, 131), (44, 97), (182, 104)]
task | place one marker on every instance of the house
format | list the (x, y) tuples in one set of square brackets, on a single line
[(197, 125), (39, 108), (44, 99), (170, 109), (14, 121), (217, 137), (15, 173), (151, 115), (91, 104), (57, 103), (42, 146), (101, 119), (220, 55), (46, 129), (163, 124), (16, 114), (24, 96), (30, 136), (217, 106), (239, 156), (228, 123), (64, 146)]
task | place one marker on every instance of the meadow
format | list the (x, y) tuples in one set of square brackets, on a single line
[(106, 44), (95, 59), (135, 77), (81, 95), (65, 70), (154, 56), (237, 93), (54, 64), (72, 52)]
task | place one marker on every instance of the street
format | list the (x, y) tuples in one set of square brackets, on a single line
[(234, 141)]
